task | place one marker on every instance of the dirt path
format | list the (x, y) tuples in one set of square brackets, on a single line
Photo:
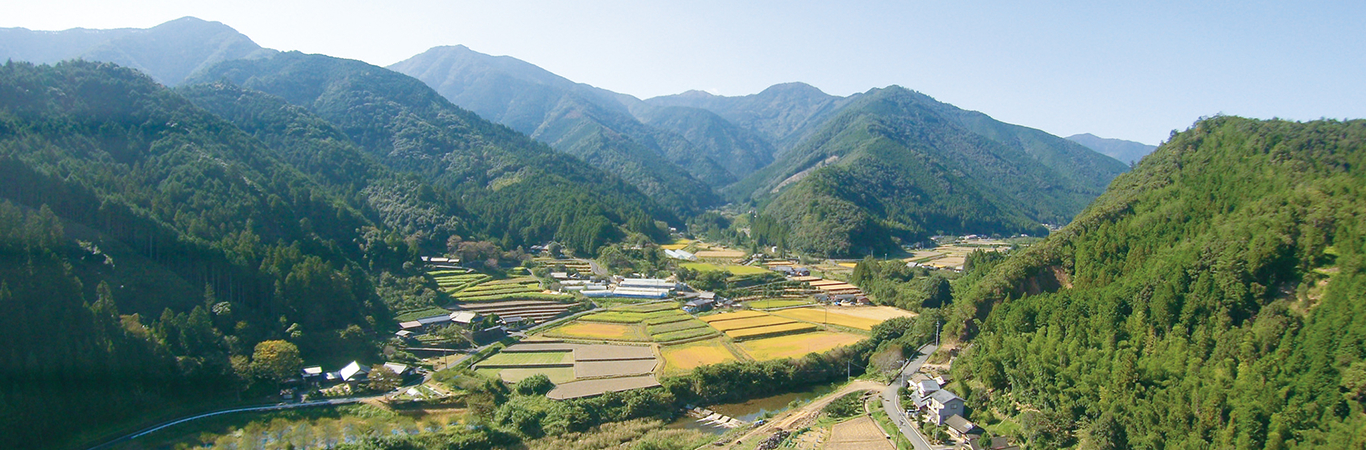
[(806, 414)]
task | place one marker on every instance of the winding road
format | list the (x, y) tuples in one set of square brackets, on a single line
[(891, 401)]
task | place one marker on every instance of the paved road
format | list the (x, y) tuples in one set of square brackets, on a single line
[(891, 401), (338, 401)]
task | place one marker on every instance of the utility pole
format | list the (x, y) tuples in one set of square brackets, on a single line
[(936, 333)]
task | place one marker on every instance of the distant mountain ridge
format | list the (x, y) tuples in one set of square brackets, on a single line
[(169, 52), (1128, 152), (593, 124)]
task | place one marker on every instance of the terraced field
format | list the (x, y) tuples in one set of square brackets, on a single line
[(680, 359), (771, 330), (796, 345), (770, 303), (752, 322), (830, 316), (731, 316), (600, 331)]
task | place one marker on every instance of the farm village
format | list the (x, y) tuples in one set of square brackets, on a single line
[(574, 329)]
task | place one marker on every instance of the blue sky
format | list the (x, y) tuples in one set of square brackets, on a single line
[(1130, 70)]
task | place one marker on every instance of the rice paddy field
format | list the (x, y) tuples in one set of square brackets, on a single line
[(557, 375), (771, 330), (750, 322), (600, 331), (527, 358), (679, 359), (797, 345), (831, 316), (734, 269), (712, 319)]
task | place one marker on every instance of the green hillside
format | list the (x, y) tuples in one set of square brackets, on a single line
[(402, 202), (1212, 297), (144, 242), (895, 164), (578, 119), (512, 186), (738, 150), (783, 114)]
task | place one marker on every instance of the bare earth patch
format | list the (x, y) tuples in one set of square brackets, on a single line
[(858, 434)]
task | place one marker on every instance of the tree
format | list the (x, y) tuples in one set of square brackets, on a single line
[(538, 384), (382, 379), (276, 360)]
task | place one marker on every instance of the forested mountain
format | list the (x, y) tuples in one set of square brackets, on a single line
[(737, 150), (1213, 297), (402, 202), (169, 52), (147, 245), (896, 164), (1127, 152), (783, 114), (514, 188), (591, 123)]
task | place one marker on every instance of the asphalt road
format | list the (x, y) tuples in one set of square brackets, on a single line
[(891, 402), (338, 401)]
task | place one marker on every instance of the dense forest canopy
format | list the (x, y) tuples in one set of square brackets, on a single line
[(1214, 295), (514, 188), (190, 240)]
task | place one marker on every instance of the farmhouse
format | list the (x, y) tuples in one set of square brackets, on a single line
[(961, 428), (466, 318), (943, 404), (311, 374), (699, 305), (353, 372)]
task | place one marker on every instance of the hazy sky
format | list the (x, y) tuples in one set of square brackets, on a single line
[(1131, 70)]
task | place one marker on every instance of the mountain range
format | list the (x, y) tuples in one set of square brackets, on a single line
[(901, 166), (839, 175), (1128, 152)]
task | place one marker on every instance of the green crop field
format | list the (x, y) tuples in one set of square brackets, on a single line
[(525, 358), (676, 326), (651, 307), (514, 296), (421, 313), (680, 335), (776, 303)]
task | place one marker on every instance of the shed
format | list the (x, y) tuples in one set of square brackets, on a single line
[(354, 372)]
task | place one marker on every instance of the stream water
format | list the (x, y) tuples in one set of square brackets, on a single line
[(752, 409)]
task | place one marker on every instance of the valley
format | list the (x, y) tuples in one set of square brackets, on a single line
[(206, 243)]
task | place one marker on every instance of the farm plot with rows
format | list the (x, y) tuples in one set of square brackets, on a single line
[(565, 364), (452, 282), (684, 330), (858, 434)]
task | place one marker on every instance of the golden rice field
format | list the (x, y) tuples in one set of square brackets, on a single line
[(796, 345), (683, 358), (754, 333), (752, 322), (731, 316), (599, 330), (830, 316)]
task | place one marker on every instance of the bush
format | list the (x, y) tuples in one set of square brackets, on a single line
[(538, 384)]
